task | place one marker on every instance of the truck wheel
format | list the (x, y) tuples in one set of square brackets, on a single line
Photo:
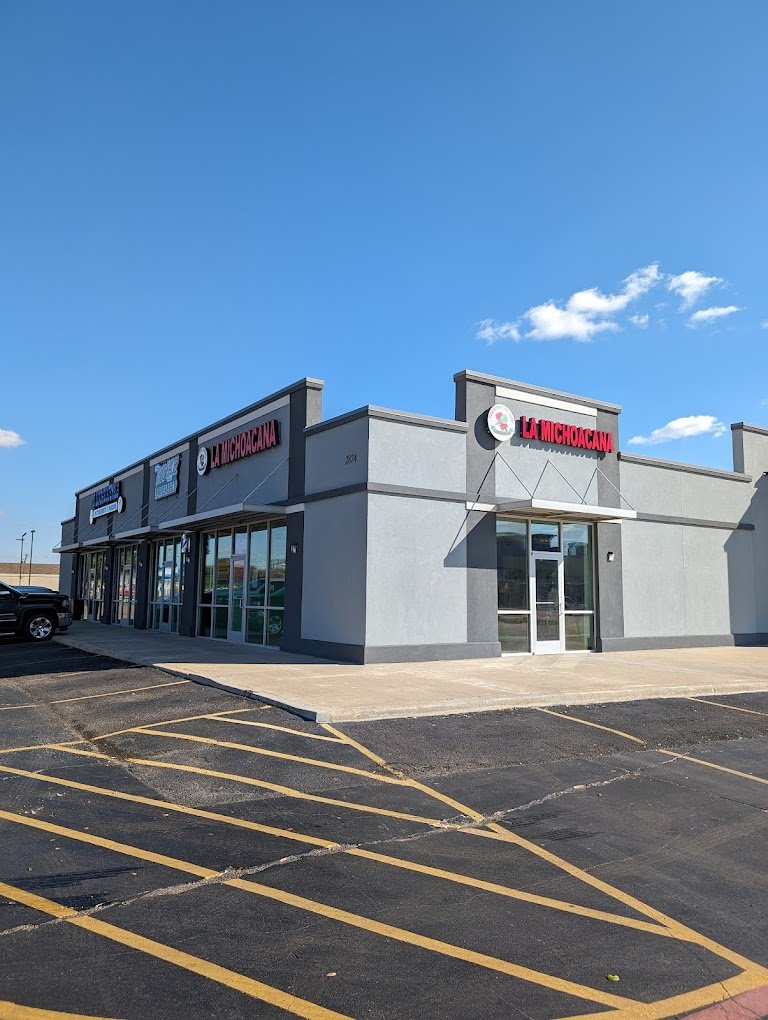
[(39, 627)]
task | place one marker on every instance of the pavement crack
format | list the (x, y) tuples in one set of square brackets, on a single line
[(456, 823)]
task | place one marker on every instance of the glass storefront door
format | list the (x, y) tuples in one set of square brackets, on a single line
[(546, 580), (236, 595)]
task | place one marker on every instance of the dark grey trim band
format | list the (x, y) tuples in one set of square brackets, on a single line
[(637, 644), (695, 522), (361, 654), (379, 488), (540, 391), (387, 414), (693, 469), (742, 426)]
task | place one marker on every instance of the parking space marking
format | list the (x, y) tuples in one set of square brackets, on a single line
[(90, 697), (274, 726), (333, 766), (452, 876), (347, 917), (732, 708), (401, 776), (287, 791), (183, 809), (712, 765), (184, 718), (597, 726), (204, 968), (13, 1011), (659, 750), (494, 830), (674, 1006)]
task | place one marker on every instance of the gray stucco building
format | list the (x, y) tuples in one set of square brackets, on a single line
[(516, 527)]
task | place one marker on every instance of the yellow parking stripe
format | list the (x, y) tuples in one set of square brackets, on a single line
[(204, 968), (273, 754), (496, 831), (597, 726), (462, 809), (90, 697), (287, 791), (167, 722), (711, 765), (675, 1006), (333, 913), (273, 726), (130, 729), (135, 798), (511, 893), (731, 708), (12, 1011), (501, 890)]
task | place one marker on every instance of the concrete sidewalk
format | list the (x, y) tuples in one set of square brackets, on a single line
[(334, 691)]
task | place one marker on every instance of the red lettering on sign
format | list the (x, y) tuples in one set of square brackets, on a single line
[(545, 431)]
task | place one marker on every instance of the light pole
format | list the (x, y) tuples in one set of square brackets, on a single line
[(21, 554), (31, 547)]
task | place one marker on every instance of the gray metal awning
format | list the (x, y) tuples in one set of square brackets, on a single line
[(544, 508), (236, 513)]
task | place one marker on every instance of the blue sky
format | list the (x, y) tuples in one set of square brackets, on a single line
[(201, 203)]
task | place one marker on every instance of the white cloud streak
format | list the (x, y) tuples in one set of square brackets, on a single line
[(492, 331), (705, 315), (690, 286), (682, 428), (641, 321), (9, 438)]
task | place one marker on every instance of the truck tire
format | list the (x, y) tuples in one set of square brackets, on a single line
[(39, 627)]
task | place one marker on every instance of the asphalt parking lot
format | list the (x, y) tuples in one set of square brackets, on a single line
[(172, 850)]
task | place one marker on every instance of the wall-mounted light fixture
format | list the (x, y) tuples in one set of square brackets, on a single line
[(610, 557)]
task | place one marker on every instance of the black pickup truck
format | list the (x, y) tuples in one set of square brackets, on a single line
[(33, 613)]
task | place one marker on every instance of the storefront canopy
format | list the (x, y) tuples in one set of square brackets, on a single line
[(543, 508), (235, 514)]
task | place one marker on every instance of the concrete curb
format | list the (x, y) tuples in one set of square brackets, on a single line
[(451, 707), (243, 692)]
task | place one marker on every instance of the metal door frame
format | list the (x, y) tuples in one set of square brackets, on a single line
[(237, 636), (547, 647)]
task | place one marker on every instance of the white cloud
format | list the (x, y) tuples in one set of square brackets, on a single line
[(691, 285), (764, 325), (491, 331), (641, 321), (682, 428), (9, 438), (548, 322), (586, 312), (705, 315)]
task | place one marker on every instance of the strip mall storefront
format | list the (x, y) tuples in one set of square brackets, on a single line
[(515, 527)]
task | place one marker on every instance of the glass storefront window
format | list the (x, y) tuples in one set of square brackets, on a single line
[(514, 632), (277, 566), (209, 565), (577, 562), (579, 632), (223, 555), (257, 567), (512, 563), (251, 559), (545, 537)]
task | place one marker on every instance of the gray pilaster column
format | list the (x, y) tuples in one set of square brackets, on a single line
[(142, 586), (188, 622)]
